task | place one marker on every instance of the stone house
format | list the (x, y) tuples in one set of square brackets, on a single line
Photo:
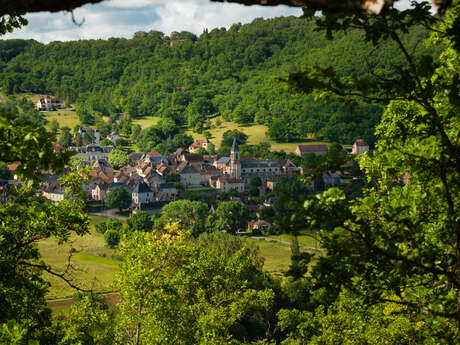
[(199, 143), (225, 183), (142, 194), (359, 146)]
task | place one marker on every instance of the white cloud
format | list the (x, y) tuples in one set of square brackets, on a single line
[(130, 3), (121, 18)]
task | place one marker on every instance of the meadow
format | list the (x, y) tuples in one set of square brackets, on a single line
[(65, 118), (94, 264)]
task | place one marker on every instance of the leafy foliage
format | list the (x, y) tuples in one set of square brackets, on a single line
[(118, 197)]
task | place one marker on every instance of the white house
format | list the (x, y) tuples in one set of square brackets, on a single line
[(360, 146), (142, 194)]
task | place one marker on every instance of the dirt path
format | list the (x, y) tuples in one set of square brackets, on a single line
[(285, 242)]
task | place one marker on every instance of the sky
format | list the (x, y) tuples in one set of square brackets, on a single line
[(122, 18)]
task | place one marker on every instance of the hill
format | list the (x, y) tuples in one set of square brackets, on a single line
[(229, 73)]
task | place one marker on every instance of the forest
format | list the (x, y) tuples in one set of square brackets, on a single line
[(232, 73)]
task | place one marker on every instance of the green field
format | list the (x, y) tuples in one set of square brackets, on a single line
[(304, 240), (256, 134), (94, 263), (147, 121), (64, 117), (277, 255)]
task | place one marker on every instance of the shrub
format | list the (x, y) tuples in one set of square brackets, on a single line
[(112, 238)]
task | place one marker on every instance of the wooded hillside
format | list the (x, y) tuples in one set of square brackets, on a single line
[(233, 73)]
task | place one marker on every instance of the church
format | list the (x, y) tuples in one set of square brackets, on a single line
[(267, 169)]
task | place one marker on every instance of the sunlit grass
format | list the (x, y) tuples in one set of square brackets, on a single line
[(65, 118), (94, 263)]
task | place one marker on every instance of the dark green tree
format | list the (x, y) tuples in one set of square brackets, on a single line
[(118, 197), (231, 216)]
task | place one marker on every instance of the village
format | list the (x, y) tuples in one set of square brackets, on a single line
[(154, 180)]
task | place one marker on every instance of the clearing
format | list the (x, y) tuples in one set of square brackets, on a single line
[(95, 264), (64, 117)]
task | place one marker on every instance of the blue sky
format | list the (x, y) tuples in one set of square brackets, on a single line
[(122, 18)]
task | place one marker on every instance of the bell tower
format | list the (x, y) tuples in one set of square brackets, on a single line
[(235, 163)]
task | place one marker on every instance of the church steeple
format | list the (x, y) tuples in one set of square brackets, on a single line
[(235, 152), (235, 164)]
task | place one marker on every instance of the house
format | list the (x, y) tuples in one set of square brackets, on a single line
[(168, 189), (189, 174), (199, 143), (246, 168), (105, 166), (207, 171), (192, 159), (99, 189), (135, 157), (117, 184), (144, 168), (260, 225), (113, 137), (162, 169), (52, 190), (58, 148), (153, 179), (156, 159), (222, 163), (225, 183), (12, 168), (318, 150), (48, 103), (359, 146), (92, 152), (142, 194)]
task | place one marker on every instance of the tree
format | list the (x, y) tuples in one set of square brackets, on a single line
[(5, 173), (190, 215), (139, 221), (111, 224), (112, 238), (227, 138), (16, 21), (231, 216), (221, 294), (118, 158), (118, 197), (105, 142), (54, 126), (173, 177), (65, 138), (255, 181), (384, 246), (254, 191), (89, 321), (23, 289), (75, 161)]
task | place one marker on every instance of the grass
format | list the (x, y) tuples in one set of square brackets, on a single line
[(147, 121), (304, 240), (277, 255), (256, 134), (66, 118), (95, 264)]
